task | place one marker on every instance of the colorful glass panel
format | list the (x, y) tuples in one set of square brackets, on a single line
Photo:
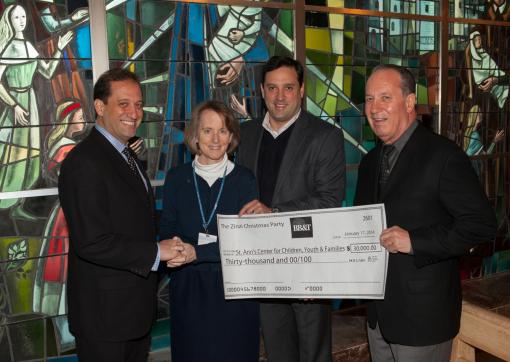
[(188, 52), (478, 107), (415, 7), (45, 92), (339, 57), (194, 53)]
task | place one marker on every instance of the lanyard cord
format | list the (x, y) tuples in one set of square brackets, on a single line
[(213, 211)]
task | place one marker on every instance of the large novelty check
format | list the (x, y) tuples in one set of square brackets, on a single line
[(327, 253)]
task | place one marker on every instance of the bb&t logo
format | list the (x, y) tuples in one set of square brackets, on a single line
[(301, 227)]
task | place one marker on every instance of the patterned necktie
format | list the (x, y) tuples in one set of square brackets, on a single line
[(384, 167), (131, 161)]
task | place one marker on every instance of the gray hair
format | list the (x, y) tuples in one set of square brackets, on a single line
[(407, 82)]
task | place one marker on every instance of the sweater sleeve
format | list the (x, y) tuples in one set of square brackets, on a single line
[(168, 223)]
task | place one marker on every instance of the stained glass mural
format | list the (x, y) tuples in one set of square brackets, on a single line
[(204, 51), (342, 49), (187, 52), (415, 7), (45, 88), (478, 109)]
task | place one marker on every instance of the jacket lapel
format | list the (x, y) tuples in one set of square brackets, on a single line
[(376, 197), (256, 147), (149, 193), (404, 164), (121, 167)]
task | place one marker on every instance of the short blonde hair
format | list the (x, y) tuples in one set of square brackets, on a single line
[(192, 128)]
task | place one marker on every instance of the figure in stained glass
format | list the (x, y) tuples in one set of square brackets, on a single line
[(48, 22), (239, 106), (19, 117), (483, 72), (69, 123), (473, 145), (234, 38), (222, 47), (226, 39), (497, 41), (498, 10), (51, 277)]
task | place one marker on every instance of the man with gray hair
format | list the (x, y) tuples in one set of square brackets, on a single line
[(436, 211)]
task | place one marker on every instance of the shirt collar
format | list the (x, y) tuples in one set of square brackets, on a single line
[(500, 7), (119, 146), (401, 142), (267, 125)]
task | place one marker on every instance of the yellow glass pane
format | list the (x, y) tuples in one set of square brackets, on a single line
[(336, 21), (338, 76), (336, 3), (318, 39), (330, 105), (347, 84)]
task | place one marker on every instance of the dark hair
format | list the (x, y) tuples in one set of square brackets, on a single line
[(192, 127), (278, 61), (102, 88), (407, 82)]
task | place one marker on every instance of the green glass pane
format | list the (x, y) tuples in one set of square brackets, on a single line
[(321, 90), (348, 43), (116, 36), (422, 95), (310, 87), (286, 22), (321, 60), (358, 89), (330, 105), (342, 105)]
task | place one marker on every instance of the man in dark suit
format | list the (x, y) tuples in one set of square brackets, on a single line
[(108, 203), (436, 211), (299, 162)]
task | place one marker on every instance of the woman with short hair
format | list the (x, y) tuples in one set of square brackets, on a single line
[(204, 326)]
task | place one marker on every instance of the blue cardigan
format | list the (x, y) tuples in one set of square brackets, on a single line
[(181, 213)]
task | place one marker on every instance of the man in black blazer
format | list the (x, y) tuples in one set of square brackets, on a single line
[(436, 211), (108, 203), (300, 165)]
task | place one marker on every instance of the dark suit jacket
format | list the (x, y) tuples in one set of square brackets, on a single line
[(434, 194), (111, 290), (312, 172)]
